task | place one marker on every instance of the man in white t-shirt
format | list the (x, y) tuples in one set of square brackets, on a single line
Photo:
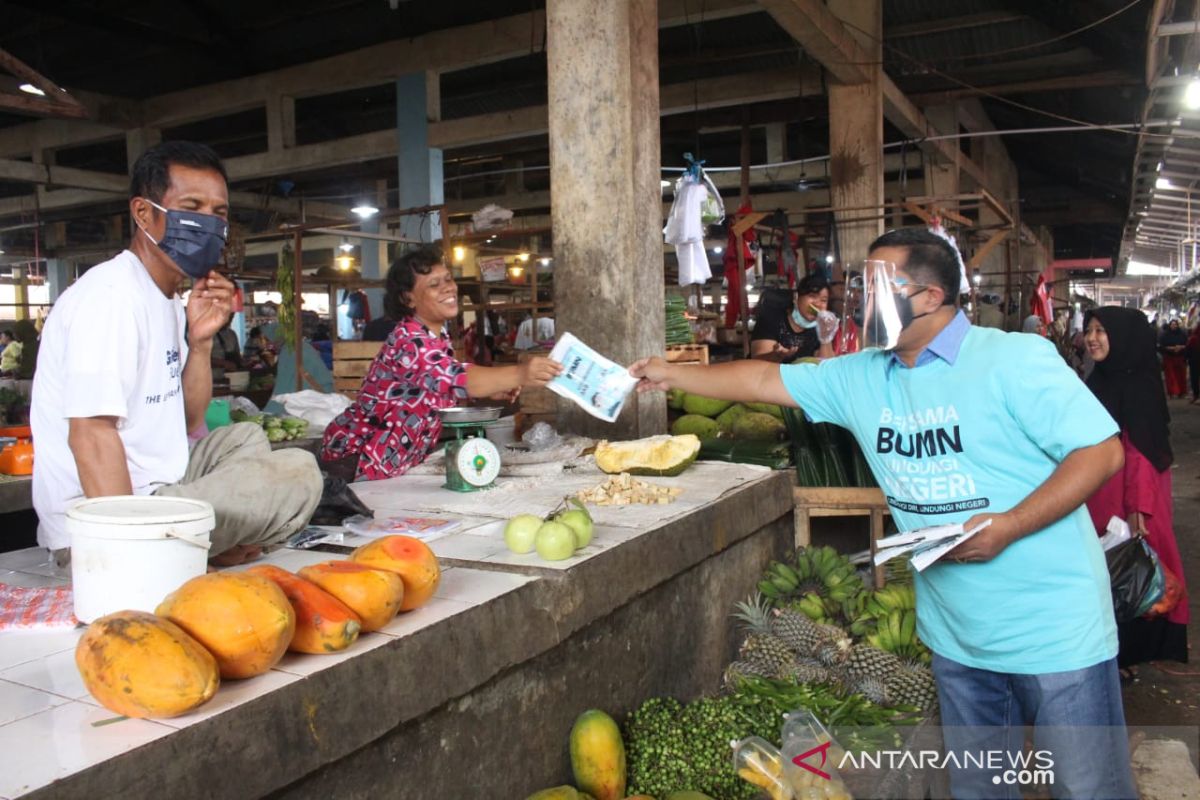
[(124, 375)]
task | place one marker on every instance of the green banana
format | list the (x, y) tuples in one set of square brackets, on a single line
[(788, 572), (908, 627), (768, 589)]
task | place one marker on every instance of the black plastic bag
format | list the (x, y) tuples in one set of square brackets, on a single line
[(1136, 578), (338, 501)]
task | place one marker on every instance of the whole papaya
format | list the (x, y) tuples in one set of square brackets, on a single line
[(598, 756)]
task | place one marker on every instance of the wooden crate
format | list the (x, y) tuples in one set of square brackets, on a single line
[(687, 353), (351, 360), (812, 501)]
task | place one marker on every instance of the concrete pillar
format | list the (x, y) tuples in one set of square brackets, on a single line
[(373, 256), (138, 141), (776, 142), (606, 202), (856, 137), (941, 178), (281, 122), (420, 165), (58, 276), (20, 293)]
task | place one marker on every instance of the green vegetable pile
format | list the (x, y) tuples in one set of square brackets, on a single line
[(673, 747), (278, 429)]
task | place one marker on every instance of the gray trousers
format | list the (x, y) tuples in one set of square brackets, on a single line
[(261, 496)]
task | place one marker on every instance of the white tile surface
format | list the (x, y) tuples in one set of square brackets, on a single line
[(55, 673), (304, 664), (27, 580), (233, 694), (291, 560), (17, 702), (473, 586), (431, 613), (23, 560), (18, 647), (50, 745)]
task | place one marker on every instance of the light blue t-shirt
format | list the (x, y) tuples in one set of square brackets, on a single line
[(977, 425)]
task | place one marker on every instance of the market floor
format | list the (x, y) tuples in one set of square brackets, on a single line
[(1168, 693)]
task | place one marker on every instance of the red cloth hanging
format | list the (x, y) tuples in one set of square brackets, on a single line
[(733, 276), (1039, 301)]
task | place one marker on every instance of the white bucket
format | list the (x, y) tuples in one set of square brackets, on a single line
[(131, 552)]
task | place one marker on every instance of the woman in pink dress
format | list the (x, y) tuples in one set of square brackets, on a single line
[(1126, 380)]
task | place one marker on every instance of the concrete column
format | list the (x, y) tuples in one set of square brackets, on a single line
[(856, 137), (606, 202), (58, 276), (138, 141), (776, 142), (941, 178), (373, 258), (420, 165), (281, 122)]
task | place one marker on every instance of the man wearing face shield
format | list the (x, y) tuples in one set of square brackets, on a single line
[(124, 375), (962, 424)]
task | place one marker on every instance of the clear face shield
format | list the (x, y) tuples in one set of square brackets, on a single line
[(879, 303)]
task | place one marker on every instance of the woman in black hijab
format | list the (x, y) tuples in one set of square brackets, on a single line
[(1172, 345), (1126, 380)]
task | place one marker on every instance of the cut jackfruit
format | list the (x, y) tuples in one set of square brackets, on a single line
[(654, 455)]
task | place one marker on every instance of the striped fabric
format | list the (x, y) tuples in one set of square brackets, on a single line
[(46, 608)]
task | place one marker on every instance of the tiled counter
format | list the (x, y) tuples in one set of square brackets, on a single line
[(471, 695)]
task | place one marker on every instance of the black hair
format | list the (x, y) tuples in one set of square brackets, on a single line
[(811, 283), (255, 332), (8, 332), (151, 175), (402, 277), (931, 259)]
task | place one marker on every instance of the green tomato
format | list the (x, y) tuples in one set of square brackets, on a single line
[(579, 522), (520, 532), (555, 541)]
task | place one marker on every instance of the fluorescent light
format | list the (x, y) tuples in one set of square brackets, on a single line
[(829, 259), (545, 262), (1162, 183), (345, 246), (718, 249), (29, 88), (977, 278), (1191, 95), (664, 184), (365, 211), (1099, 269)]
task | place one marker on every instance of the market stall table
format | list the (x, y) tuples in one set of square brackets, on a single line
[(507, 653)]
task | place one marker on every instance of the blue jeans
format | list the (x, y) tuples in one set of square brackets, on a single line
[(1078, 725)]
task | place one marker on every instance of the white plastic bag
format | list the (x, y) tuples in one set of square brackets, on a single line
[(1116, 532), (316, 407)]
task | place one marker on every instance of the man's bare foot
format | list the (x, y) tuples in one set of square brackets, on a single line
[(238, 554)]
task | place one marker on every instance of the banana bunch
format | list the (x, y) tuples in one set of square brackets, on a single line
[(779, 582), (812, 606), (896, 632), (879, 604)]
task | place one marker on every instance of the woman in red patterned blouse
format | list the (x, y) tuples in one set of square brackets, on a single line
[(393, 425)]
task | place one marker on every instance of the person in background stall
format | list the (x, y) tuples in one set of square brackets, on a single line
[(259, 352), (393, 424), (1192, 351), (1126, 381), (970, 425), (226, 353), (1172, 344), (1034, 324), (124, 374), (803, 328), (10, 355)]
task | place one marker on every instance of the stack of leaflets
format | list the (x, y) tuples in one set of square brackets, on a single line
[(925, 545), (416, 527), (594, 383)]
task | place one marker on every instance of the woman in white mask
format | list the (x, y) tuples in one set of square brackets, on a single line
[(802, 329)]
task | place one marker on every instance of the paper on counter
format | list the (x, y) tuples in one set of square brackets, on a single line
[(596, 384)]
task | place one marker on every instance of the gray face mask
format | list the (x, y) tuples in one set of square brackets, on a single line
[(192, 240)]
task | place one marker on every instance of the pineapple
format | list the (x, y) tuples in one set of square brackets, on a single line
[(911, 686), (806, 671), (766, 651), (874, 689), (866, 661), (740, 670), (800, 633)]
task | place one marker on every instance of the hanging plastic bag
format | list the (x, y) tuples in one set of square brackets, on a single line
[(1137, 578), (1172, 594), (712, 210)]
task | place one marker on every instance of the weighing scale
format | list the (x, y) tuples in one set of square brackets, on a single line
[(472, 461)]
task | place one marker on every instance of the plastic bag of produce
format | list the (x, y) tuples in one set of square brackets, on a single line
[(1137, 578), (316, 407)]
